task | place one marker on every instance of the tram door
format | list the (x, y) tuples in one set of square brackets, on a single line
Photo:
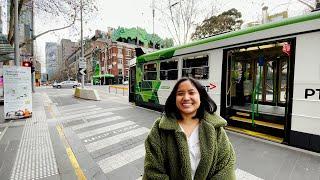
[(256, 90), (132, 82)]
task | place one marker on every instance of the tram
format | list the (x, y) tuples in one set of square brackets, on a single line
[(264, 79)]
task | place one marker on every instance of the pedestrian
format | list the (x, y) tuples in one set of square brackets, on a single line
[(188, 141)]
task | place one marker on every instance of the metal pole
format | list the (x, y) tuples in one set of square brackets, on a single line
[(82, 52), (153, 14), (32, 50), (16, 34)]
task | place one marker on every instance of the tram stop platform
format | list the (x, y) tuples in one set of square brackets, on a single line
[(32, 149)]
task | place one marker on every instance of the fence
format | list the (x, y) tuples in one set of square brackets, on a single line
[(117, 89)]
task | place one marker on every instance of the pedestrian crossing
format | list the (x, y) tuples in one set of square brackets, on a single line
[(105, 130)]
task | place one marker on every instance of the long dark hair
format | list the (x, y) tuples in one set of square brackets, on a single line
[(207, 104)]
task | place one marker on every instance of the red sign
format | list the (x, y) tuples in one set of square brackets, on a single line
[(212, 86), (286, 48)]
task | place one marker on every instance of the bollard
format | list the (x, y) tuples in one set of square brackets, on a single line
[(109, 89), (122, 91)]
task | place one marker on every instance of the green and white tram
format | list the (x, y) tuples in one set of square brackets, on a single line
[(264, 79)]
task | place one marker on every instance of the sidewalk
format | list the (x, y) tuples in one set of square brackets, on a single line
[(26, 147)]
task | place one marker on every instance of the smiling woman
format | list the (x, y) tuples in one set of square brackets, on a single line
[(189, 141)]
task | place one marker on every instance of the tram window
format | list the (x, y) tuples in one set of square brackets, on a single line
[(169, 70), (150, 71), (196, 67)]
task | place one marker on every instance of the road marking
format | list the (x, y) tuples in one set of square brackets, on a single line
[(77, 108), (104, 129), (3, 132), (97, 122), (71, 155), (100, 113), (80, 111), (243, 175), (79, 173), (125, 157), (115, 139)]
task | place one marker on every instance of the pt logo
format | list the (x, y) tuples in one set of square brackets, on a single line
[(311, 92)]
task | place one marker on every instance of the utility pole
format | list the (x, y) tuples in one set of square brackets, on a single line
[(81, 43), (16, 34), (153, 14), (32, 50)]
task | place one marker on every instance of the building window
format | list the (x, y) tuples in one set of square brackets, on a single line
[(169, 70), (128, 52), (196, 67), (150, 71), (120, 71), (119, 50), (119, 60)]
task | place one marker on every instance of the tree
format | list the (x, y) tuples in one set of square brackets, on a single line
[(310, 4), (224, 22), (69, 10), (178, 17)]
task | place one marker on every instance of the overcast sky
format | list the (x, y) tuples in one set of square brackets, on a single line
[(133, 13)]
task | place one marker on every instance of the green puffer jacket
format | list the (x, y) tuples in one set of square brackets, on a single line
[(167, 154)]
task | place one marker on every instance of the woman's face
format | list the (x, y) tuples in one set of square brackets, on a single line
[(187, 98)]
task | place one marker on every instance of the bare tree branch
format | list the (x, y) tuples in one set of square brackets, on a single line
[(307, 4), (48, 31)]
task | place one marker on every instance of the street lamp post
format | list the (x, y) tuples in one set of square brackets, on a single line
[(81, 43)]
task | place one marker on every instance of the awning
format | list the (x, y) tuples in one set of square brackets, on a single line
[(6, 50), (104, 75)]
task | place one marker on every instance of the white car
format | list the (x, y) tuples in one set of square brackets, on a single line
[(67, 84), (125, 82)]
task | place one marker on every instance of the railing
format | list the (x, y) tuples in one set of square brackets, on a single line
[(118, 88), (254, 98)]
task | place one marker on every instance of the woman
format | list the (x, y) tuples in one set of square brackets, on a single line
[(189, 141)]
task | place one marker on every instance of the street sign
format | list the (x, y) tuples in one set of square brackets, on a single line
[(82, 64), (82, 71)]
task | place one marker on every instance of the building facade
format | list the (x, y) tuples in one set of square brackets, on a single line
[(66, 48), (51, 59)]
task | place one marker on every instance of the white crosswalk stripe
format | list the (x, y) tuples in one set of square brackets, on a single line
[(114, 162), (74, 106), (97, 122), (79, 109), (99, 112), (116, 139), (243, 175), (83, 111), (104, 129)]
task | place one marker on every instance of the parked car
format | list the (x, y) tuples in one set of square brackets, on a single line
[(125, 82), (67, 84), (54, 84)]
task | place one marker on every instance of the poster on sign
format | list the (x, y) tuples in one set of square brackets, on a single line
[(17, 92)]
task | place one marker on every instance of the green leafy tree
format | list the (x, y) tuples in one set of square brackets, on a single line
[(227, 21)]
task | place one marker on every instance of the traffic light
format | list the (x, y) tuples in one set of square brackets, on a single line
[(28, 64)]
